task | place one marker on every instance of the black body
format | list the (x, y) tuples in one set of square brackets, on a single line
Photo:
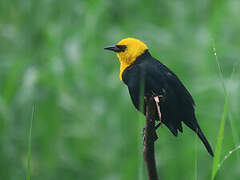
[(149, 77)]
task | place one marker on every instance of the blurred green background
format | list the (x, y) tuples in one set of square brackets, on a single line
[(85, 126)]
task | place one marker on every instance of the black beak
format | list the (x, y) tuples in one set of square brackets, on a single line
[(112, 48), (116, 48)]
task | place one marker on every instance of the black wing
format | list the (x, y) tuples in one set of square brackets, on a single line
[(186, 105), (150, 77), (178, 105)]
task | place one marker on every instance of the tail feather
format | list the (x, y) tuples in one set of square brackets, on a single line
[(195, 127), (204, 140)]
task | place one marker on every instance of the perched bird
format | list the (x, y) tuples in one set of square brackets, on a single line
[(147, 77)]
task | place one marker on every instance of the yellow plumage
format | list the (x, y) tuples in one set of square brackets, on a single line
[(134, 49)]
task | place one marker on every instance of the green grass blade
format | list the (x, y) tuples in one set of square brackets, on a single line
[(28, 177), (219, 140), (234, 130), (216, 159), (228, 155), (233, 126), (196, 158)]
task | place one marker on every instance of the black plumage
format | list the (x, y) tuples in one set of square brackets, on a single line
[(149, 77)]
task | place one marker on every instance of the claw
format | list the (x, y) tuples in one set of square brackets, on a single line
[(156, 98)]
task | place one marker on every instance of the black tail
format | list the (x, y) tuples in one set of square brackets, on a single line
[(195, 127), (205, 141)]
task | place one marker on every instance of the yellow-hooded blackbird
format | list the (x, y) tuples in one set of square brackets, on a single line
[(140, 71)]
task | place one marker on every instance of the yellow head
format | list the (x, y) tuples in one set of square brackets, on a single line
[(127, 51)]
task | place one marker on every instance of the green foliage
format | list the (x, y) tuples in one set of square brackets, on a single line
[(219, 140), (85, 126), (30, 146)]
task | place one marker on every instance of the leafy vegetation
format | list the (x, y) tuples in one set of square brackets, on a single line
[(85, 127)]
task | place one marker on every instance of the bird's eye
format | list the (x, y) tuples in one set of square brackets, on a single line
[(121, 48)]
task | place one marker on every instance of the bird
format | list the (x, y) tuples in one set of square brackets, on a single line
[(147, 77)]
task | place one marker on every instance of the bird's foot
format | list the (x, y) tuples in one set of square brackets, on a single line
[(156, 99), (163, 95), (159, 98)]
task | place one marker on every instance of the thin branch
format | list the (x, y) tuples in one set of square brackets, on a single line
[(149, 138)]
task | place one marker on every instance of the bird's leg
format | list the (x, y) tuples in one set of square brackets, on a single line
[(156, 99)]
